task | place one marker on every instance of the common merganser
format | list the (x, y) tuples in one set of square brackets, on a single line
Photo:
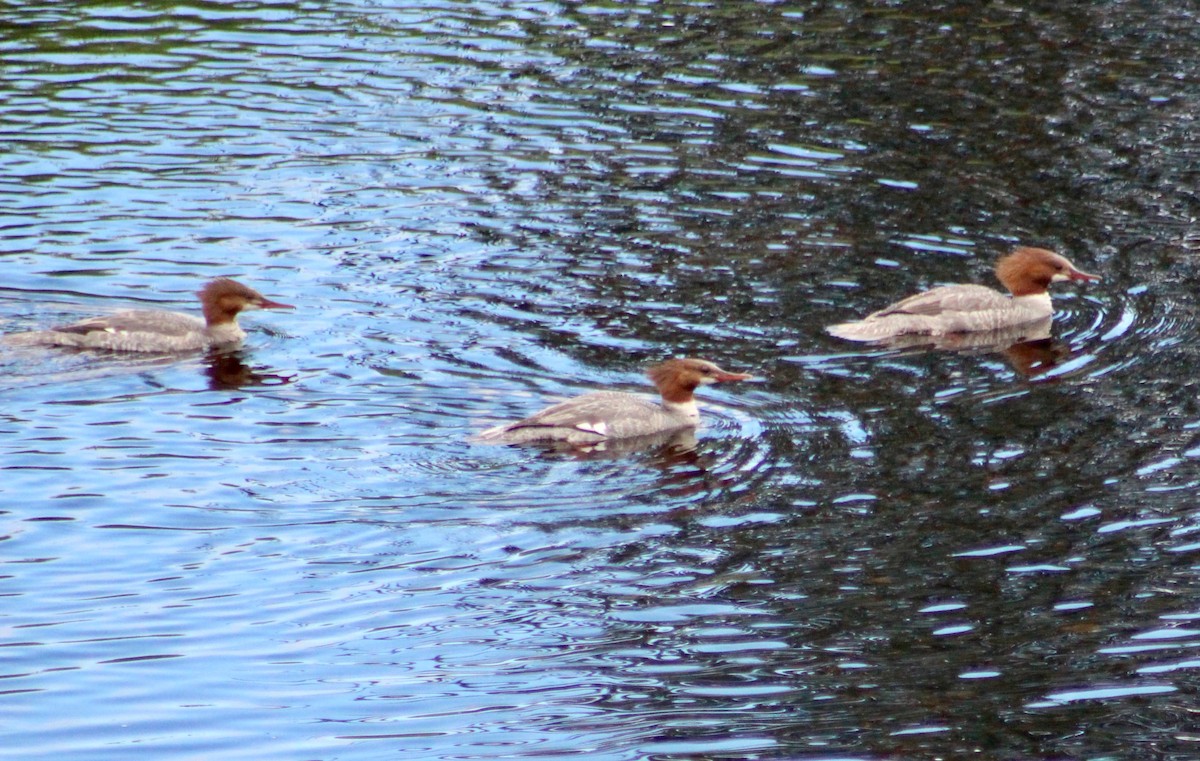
[(1026, 272), (606, 415), (152, 330)]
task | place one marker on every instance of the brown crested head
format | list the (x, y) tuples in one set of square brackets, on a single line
[(224, 298), (1029, 271), (677, 379)]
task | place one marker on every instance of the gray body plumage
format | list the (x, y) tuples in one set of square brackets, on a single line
[(595, 417), (138, 330), (945, 310)]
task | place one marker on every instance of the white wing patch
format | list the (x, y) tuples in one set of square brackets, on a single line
[(599, 427)]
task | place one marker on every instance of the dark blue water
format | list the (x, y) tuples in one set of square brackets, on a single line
[(294, 551)]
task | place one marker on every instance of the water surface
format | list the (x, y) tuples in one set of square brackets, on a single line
[(294, 551)]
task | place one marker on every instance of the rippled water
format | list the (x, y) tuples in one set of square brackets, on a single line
[(294, 551)]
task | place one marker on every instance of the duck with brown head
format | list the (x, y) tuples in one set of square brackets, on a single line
[(605, 415), (1027, 274), (152, 330)]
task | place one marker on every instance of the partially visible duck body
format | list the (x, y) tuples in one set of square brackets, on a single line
[(152, 330), (1027, 273), (608, 415), (1028, 348), (973, 341)]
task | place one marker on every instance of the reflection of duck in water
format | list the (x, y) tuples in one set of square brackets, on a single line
[(226, 370), (1032, 358), (612, 415), (152, 330), (1027, 273), (1028, 348)]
